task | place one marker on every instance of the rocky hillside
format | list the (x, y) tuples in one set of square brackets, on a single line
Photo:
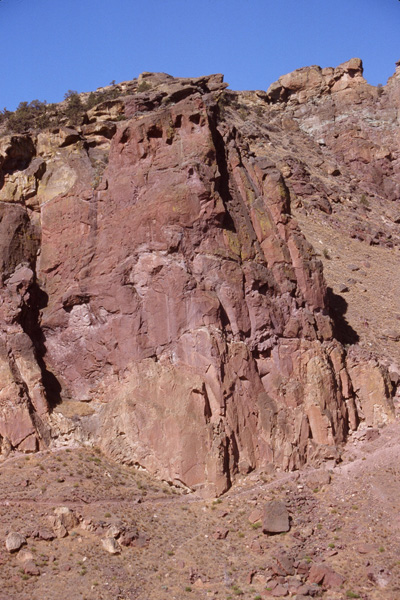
[(160, 300)]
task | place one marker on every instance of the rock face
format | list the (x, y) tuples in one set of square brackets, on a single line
[(151, 268)]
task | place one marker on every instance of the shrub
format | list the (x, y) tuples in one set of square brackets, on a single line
[(144, 86), (28, 115), (91, 101), (75, 107)]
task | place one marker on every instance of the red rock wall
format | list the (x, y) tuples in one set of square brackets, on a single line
[(182, 301)]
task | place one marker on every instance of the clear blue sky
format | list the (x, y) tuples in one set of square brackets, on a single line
[(51, 46)]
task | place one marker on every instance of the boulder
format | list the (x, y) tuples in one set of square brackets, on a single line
[(66, 517), (275, 517), (14, 541), (25, 555), (111, 545), (324, 575), (45, 534), (318, 478), (255, 515), (30, 568), (129, 536), (63, 521)]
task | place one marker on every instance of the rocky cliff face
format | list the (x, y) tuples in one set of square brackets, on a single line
[(157, 297), (355, 129)]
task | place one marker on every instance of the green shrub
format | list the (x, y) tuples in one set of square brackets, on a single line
[(91, 101), (75, 108), (28, 115), (144, 86)]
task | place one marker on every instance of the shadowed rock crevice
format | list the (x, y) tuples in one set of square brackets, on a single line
[(16, 152), (222, 182), (30, 323), (19, 238)]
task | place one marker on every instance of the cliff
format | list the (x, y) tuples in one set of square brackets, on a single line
[(159, 300)]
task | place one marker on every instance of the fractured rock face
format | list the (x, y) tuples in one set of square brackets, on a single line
[(23, 405), (182, 300), (193, 287)]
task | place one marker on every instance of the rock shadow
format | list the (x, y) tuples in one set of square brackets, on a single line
[(342, 330), (30, 322)]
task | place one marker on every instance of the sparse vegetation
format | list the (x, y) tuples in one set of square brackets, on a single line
[(38, 115), (237, 591), (28, 115), (163, 554), (75, 107), (144, 86)]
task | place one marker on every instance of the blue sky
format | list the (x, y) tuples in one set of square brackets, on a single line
[(51, 46)]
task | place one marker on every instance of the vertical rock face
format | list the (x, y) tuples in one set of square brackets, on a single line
[(22, 399), (172, 290)]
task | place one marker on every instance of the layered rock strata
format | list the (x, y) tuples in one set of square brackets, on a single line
[(151, 269)]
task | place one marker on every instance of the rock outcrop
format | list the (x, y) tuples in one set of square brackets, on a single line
[(352, 136), (151, 267)]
